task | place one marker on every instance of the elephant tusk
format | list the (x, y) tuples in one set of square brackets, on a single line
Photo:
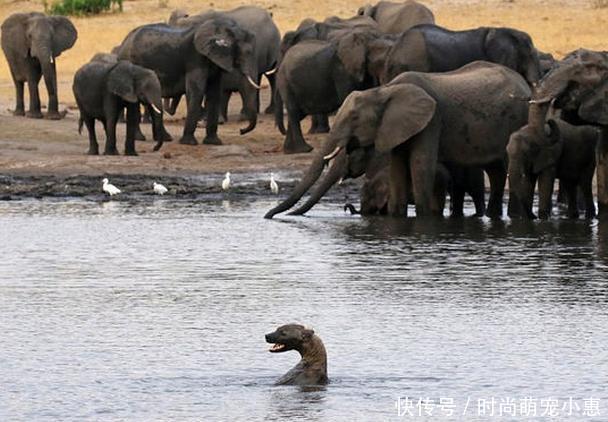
[(52, 59), (541, 101), (272, 71), (331, 156), (156, 109), (252, 82)]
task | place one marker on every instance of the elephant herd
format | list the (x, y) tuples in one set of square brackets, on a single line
[(421, 111)]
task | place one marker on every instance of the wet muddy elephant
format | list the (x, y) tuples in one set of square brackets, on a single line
[(430, 48), (192, 61), (31, 43), (394, 18), (462, 117), (103, 90)]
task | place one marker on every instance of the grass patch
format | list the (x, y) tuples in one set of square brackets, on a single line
[(599, 4), (81, 7)]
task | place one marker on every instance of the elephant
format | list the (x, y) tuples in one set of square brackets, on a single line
[(546, 62), (267, 40), (330, 29), (430, 48), (544, 150), (103, 90), (578, 87), (192, 61), (31, 43), (105, 58), (346, 64), (463, 117), (375, 190), (394, 18)]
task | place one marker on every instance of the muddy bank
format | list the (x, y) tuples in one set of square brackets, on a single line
[(139, 187)]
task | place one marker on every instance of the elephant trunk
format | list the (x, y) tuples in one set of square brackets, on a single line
[(553, 84), (313, 174), (50, 80), (335, 173), (250, 95)]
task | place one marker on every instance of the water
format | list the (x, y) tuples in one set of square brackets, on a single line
[(157, 310)]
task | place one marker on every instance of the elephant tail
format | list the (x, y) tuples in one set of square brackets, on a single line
[(80, 123), (278, 112)]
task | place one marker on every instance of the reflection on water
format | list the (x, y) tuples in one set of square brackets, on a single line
[(157, 310)]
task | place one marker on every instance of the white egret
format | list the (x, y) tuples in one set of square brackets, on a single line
[(160, 189), (109, 189), (274, 187), (226, 182)]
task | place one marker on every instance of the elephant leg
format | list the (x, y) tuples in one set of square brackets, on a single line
[(602, 174), (320, 124), (145, 117), (475, 181), (110, 128), (212, 105), (423, 153), (194, 98), (170, 104), (32, 86), (224, 100), (497, 174), (20, 106), (399, 175), (93, 145), (546, 180), (571, 192), (585, 187), (272, 81), (133, 118), (294, 141)]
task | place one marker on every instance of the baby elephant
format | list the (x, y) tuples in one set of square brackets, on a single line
[(312, 368), (102, 90)]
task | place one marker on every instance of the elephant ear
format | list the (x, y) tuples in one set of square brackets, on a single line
[(549, 153), (122, 83), (367, 10), (408, 109), (215, 42), (64, 34), (594, 108), (352, 50)]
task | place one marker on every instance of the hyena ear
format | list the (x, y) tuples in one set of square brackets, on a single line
[(307, 333)]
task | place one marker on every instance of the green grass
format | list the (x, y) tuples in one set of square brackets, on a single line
[(81, 7)]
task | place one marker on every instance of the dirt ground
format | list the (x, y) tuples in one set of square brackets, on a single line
[(40, 147)]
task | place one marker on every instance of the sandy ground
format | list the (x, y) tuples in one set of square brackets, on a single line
[(40, 147)]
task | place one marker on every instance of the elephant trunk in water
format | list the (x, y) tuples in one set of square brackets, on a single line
[(333, 176), (313, 174)]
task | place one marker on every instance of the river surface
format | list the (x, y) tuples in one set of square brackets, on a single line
[(157, 310)]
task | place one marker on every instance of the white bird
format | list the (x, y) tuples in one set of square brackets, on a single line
[(274, 187), (159, 189), (109, 189), (226, 182)]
